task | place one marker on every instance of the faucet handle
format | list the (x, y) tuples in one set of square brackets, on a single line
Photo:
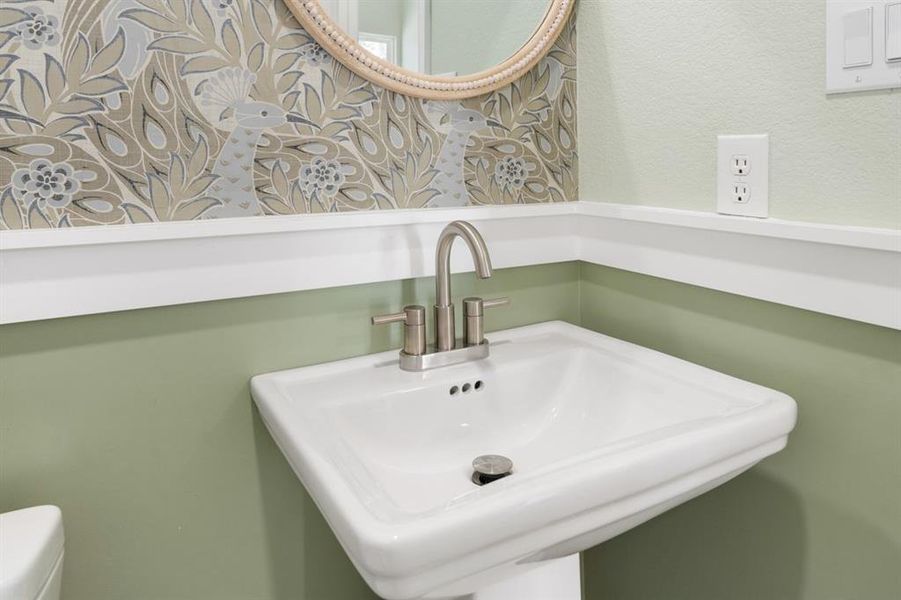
[(390, 318), (496, 302), (474, 320), (473, 307), (413, 318)]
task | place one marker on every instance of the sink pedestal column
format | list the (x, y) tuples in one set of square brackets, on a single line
[(558, 579)]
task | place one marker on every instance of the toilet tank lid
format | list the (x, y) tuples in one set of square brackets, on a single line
[(31, 542)]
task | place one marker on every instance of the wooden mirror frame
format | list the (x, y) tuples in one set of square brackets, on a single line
[(336, 42)]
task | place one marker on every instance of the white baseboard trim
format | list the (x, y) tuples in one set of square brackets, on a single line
[(850, 272)]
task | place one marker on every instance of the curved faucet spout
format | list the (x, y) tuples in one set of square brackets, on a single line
[(477, 248), (445, 337)]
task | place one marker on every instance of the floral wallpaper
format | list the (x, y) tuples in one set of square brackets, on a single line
[(135, 111)]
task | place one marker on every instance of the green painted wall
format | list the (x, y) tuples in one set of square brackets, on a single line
[(819, 521), (140, 426), (659, 79)]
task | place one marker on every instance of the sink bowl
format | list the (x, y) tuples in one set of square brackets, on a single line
[(603, 435)]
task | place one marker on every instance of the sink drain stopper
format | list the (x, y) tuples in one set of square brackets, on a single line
[(490, 467)]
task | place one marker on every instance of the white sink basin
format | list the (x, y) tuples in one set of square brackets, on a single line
[(603, 435)]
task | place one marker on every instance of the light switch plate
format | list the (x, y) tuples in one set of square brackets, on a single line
[(893, 31), (860, 46), (746, 194), (857, 37)]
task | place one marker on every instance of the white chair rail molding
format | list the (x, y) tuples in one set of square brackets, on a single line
[(852, 272)]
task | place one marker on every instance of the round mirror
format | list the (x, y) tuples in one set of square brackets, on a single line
[(437, 49)]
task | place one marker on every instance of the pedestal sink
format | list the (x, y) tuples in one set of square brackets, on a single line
[(602, 434)]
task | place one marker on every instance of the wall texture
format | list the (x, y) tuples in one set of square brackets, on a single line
[(660, 79), (140, 425), (129, 111), (821, 520)]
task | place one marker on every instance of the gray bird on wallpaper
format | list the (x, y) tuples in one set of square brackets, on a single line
[(230, 89), (137, 37), (450, 180)]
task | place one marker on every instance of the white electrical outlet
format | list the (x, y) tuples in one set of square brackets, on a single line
[(741, 164), (742, 175), (741, 192)]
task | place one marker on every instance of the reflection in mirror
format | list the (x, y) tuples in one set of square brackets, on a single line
[(440, 37)]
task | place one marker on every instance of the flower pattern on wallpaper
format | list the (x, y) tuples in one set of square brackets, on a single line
[(135, 111)]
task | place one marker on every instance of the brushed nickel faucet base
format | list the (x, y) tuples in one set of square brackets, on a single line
[(443, 358), (447, 350)]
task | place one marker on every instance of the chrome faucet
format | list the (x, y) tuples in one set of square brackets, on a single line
[(445, 337), (446, 351)]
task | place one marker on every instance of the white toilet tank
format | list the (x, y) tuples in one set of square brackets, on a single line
[(31, 553)]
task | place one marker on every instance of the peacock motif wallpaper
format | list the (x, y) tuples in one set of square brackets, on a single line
[(137, 111)]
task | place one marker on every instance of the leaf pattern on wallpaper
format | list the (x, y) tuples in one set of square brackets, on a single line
[(138, 111)]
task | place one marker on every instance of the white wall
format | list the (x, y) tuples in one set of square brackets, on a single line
[(659, 79)]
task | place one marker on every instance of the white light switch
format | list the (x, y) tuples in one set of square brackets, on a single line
[(893, 32), (857, 32), (863, 45)]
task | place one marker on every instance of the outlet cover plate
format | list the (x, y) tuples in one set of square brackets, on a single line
[(757, 149)]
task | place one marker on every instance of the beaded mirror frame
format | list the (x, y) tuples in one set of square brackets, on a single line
[(339, 44)]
